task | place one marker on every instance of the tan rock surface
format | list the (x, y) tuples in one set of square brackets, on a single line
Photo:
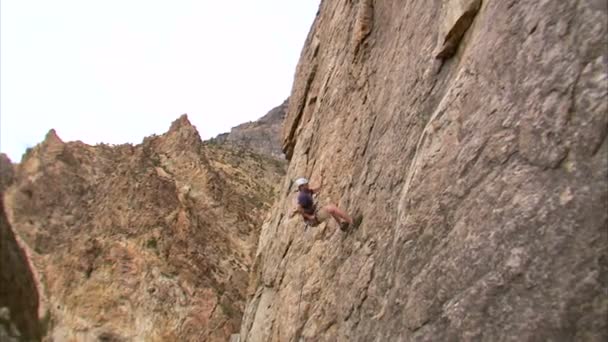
[(481, 179), (142, 243)]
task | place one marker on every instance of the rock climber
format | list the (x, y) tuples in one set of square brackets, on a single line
[(312, 212)]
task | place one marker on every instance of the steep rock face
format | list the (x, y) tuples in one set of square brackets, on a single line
[(19, 299), (469, 139), (262, 136), (142, 243)]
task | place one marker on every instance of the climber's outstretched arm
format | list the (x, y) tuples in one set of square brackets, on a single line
[(316, 189)]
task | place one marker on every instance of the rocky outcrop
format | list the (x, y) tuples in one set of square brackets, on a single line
[(469, 139), (262, 136), (19, 299), (7, 172), (152, 242)]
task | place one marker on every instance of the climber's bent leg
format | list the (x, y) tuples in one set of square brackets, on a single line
[(339, 215)]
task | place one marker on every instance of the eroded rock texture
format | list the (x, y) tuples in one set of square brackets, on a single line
[(480, 176), (142, 243), (262, 136)]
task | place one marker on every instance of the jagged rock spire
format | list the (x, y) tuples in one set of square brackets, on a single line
[(180, 123)]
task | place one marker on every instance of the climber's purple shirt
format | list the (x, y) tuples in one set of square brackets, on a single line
[(306, 201)]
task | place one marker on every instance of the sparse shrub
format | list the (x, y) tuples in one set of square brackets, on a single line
[(228, 310), (152, 243)]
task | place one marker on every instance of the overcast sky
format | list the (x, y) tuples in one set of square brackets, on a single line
[(115, 71)]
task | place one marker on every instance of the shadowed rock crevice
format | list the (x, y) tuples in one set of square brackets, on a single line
[(19, 299), (291, 127), (458, 16)]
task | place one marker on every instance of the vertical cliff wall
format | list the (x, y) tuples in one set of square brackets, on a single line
[(469, 137)]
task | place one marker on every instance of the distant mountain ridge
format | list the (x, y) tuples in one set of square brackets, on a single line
[(261, 136)]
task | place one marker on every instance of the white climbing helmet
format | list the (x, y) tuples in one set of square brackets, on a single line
[(301, 181)]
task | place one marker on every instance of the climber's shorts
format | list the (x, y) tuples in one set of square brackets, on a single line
[(322, 214)]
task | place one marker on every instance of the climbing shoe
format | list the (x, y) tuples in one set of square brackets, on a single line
[(344, 226)]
